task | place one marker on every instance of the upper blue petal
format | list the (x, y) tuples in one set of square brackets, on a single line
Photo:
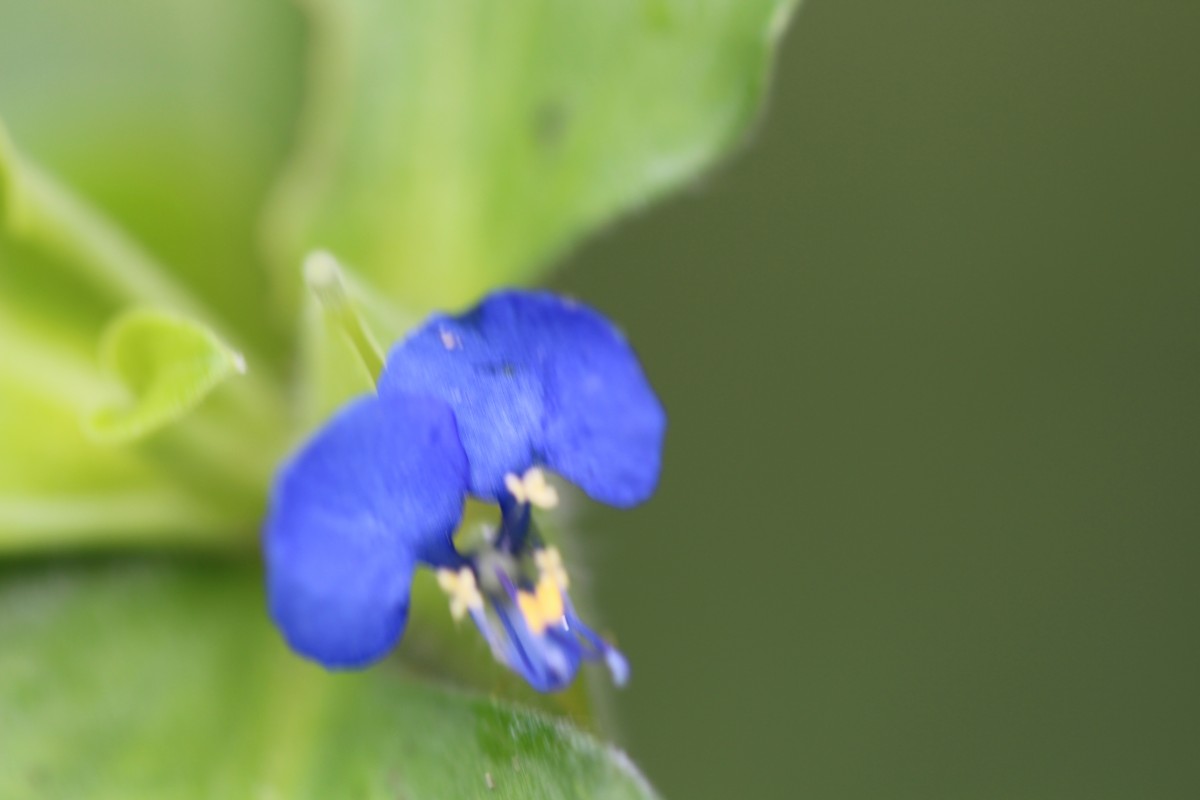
[(378, 489), (603, 427), (477, 364), (534, 378)]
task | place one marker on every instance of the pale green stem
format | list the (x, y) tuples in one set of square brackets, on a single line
[(322, 133), (324, 278)]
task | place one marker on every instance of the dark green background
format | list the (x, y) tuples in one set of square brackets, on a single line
[(928, 525)]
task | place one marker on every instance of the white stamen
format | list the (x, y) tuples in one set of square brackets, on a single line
[(549, 564), (532, 488), (464, 594)]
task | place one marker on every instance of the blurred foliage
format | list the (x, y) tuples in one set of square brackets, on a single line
[(138, 680), (165, 167)]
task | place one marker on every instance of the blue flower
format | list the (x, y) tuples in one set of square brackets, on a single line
[(537, 379), (476, 405)]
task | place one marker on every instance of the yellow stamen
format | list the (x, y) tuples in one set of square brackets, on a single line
[(532, 488), (541, 607), (549, 600), (529, 609)]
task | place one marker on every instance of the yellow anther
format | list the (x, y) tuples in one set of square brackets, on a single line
[(529, 609), (542, 607), (531, 488), (550, 600), (550, 565), (464, 594)]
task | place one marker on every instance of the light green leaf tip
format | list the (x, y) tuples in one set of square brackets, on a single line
[(167, 366), (165, 681)]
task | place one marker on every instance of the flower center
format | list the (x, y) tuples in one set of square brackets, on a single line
[(514, 588)]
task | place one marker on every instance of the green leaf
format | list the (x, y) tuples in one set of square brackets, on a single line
[(165, 681), (59, 488), (449, 146), (200, 483), (173, 116), (167, 365), (37, 210), (65, 269)]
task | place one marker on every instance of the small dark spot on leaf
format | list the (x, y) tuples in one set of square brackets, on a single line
[(396, 786), (551, 120)]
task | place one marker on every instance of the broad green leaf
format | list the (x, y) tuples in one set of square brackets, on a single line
[(165, 681), (166, 364), (37, 210), (173, 116), (449, 146)]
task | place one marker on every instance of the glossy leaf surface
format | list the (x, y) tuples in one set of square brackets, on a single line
[(449, 146), (189, 694)]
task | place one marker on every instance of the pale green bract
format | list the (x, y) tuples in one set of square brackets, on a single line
[(165, 168), (167, 366)]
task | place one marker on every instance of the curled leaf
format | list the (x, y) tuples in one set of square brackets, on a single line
[(167, 365)]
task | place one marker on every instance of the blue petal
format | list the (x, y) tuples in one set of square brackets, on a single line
[(380, 488), (548, 661), (603, 424), (478, 365), (534, 378)]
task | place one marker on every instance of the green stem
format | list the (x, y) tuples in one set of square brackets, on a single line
[(324, 277), (41, 211)]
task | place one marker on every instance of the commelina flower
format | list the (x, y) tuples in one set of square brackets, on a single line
[(476, 405)]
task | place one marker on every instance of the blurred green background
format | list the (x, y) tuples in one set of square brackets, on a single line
[(928, 526)]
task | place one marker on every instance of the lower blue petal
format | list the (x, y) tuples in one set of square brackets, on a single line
[(378, 489)]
